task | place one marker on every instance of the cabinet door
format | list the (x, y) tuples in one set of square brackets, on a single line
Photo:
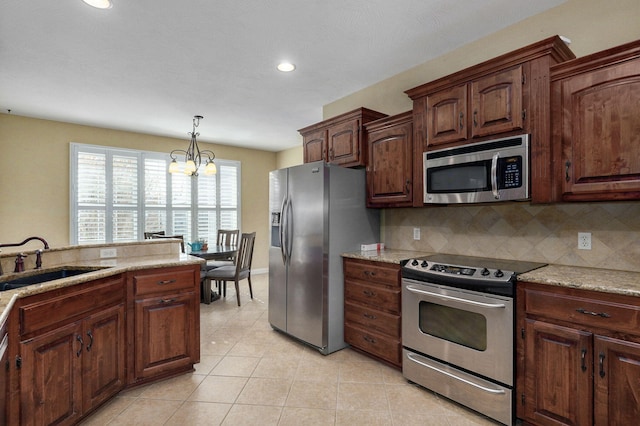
[(617, 382), (165, 334), (50, 377), (390, 169), (315, 146), (447, 116), (497, 103), (558, 374), (600, 133), (343, 142), (104, 356)]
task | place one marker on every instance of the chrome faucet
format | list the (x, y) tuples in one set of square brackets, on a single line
[(38, 252)]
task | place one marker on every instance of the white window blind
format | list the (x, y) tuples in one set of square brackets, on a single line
[(118, 194)]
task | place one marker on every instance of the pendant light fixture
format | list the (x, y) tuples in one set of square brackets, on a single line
[(193, 155)]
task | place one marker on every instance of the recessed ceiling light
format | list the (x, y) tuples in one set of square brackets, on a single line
[(286, 67), (100, 4)]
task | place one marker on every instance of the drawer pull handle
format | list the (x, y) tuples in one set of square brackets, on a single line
[(90, 334), (370, 316), (167, 300), (370, 273), (369, 293), (595, 314), (583, 355), (165, 282), (79, 339), (601, 363), (369, 339)]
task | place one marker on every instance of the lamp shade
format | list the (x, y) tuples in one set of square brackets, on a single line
[(190, 167), (210, 168), (174, 167)]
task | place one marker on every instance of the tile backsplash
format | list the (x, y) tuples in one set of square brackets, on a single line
[(522, 231)]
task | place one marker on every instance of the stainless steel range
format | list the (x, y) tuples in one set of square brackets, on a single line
[(458, 317)]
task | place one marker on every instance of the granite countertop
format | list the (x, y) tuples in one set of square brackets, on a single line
[(104, 268), (603, 280), (386, 255)]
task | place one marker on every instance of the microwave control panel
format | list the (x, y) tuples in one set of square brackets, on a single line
[(510, 172)]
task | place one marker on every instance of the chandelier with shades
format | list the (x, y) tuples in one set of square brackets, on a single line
[(193, 155)]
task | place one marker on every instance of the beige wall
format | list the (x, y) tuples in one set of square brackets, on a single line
[(34, 177), (290, 157)]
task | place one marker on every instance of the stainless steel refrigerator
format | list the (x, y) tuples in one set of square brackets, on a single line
[(317, 212)]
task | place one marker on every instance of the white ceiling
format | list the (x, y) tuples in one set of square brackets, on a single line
[(150, 65)]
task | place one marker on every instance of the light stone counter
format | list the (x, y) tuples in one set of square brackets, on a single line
[(131, 256), (386, 255), (604, 280)]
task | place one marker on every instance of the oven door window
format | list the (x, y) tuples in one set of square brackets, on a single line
[(455, 325), (467, 177)]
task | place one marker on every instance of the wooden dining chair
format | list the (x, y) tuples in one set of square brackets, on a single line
[(177, 237), (236, 273), (226, 237), (149, 235)]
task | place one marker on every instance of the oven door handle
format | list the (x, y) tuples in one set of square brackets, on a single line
[(456, 299), (453, 376)]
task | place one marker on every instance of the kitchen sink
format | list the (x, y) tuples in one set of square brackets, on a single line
[(43, 277)]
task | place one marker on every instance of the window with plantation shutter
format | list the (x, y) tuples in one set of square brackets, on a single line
[(117, 195)]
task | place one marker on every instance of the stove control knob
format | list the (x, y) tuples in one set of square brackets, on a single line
[(499, 273), (484, 272), (414, 263), (424, 264)]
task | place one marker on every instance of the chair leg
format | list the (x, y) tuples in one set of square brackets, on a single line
[(206, 291), (237, 292), (250, 288)]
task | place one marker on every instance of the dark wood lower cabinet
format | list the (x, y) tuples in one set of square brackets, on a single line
[(578, 357), (69, 349), (372, 309)]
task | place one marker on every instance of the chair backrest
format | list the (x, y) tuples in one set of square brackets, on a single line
[(178, 237), (149, 235), (228, 237), (245, 252)]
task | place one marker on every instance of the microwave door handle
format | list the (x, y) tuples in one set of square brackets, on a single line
[(494, 176)]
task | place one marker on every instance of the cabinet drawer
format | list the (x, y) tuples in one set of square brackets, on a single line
[(377, 296), (373, 272), (71, 305), (584, 310), (164, 281), (372, 319), (376, 344)]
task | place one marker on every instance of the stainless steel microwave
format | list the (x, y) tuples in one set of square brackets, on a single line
[(494, 170)]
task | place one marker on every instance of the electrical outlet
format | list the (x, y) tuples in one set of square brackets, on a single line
[(584, 240), (416, 233), (108, 252)]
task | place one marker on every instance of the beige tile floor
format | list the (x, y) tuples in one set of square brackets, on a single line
[(252, 375)]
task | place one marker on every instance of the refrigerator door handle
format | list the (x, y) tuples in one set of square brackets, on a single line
[(290, 226), (282, 231)]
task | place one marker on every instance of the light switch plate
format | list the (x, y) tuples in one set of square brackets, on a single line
[(416, 233), (108, 252)]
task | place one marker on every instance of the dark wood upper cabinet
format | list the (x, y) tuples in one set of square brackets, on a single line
[(339, 140), (390, 166), (504, 96), (596, 125)]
